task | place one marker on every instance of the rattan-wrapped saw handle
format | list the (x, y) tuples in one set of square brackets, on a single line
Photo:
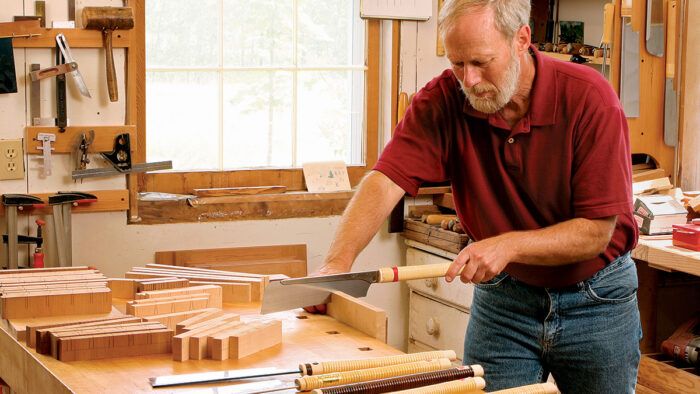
[(455, 386), (307, 383), (353, 365), (539, 388)]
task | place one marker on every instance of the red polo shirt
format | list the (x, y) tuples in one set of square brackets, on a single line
[(568, 157)]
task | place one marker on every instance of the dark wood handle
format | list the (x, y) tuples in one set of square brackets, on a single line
[(109, 61)]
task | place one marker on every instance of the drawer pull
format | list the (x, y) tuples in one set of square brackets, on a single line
[(431, 283), (432, 327)]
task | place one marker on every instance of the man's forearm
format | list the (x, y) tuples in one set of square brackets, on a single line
[(563, 243), (375, 198)]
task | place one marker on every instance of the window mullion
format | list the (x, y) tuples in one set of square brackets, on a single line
[(295, 78), (220, 73)]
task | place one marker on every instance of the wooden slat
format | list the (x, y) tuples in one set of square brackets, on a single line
[(237, 191), (107, 201), (136, 100), (170, 320), (161, 212), (231, 292), (77, 38), (56, 270), (65, 142), (160, 308)]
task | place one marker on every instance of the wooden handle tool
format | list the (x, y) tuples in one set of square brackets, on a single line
[(411, 272), (538, 388), (308, 383), (467, 385), (325, 367), (109, 19)]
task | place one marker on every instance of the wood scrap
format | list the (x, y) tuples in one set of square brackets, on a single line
[(231, 292), (57, 337), (208, 315), (215, 293), (171, 320), (181, 341), (161, 284), (43, 335), (125, 344), (255, 337), (359, 315), (32, 330), (199, 341)]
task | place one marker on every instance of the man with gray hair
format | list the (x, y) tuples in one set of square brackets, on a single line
[(538, 155)]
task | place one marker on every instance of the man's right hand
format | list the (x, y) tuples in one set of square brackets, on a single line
[(327, 269)]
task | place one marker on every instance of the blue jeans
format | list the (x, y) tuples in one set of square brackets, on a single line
[(587, 335)]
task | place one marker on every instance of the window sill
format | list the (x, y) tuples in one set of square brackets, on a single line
[(248, 207)]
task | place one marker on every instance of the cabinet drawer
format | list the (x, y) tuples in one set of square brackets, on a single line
[(436, 325), (456, 292)]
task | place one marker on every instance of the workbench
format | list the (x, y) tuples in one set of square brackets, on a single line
[(306, 338), (662, 376)]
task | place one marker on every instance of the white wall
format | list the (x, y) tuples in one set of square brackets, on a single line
[(104, 240)]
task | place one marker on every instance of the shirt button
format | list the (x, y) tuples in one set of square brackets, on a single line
[(511, 140)]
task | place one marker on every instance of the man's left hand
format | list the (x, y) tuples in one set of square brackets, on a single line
[(482, 260)]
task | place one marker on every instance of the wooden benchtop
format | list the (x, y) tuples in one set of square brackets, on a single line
[(306, 339), (660, 253)]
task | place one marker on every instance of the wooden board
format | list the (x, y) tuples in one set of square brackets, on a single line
[(170, 320), (209, 314), (359, 315), (122, 288), (231, 292), (66, 141), (661, 254), (257, 284), (126, 344), (214, 291), (161, 284), (62, 335), (237, 191), (107, 201), (66, 302), (159, 308), (289, 260)]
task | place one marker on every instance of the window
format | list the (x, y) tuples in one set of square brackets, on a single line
[(234, 84)]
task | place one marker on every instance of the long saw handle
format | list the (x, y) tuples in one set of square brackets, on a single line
[(466, 385), (307, 383), (395, 274), (352, 365)]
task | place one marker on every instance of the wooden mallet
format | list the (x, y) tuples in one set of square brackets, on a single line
[(109, 19)]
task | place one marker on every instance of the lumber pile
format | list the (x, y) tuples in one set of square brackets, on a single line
[(31, 293), (127, 288), (220, 336), (100, 338), (237, 287)]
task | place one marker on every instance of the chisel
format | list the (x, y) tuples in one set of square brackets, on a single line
[(307, 369)]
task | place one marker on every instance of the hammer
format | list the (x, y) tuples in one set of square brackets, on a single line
[(109, 19)]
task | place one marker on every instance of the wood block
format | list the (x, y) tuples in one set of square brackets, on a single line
[(199, 341), (181, 343), (255, 337), (231, 292), (647, 175), (56, 337), (257, 285), (41, 335), (159, 308), (122, 288), (243, 257), (125, 344), (215, 293), (56, 303), (358, 315), (170, 320), (199, 270)]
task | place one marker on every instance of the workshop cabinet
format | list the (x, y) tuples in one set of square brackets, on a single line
[(438, 311)]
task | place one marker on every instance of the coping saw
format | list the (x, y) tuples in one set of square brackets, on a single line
[(295, 293)]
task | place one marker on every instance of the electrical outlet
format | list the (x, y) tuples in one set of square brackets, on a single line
[(11, 159)]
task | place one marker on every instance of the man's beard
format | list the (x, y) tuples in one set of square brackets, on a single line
[(500, 96)]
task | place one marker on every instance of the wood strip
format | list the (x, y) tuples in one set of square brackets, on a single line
[(115, 345), (65, 141), (31, 329), (256, 286), (236, 191), (195, 269), (180, 327), (159, 308), (56, 270), (255, 337), (170, 320), (42, 337), (359, 315), (171, 283), (199, 342), (69, 302), (181, 341), (232, 292), (78, 38), (215, 294)]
